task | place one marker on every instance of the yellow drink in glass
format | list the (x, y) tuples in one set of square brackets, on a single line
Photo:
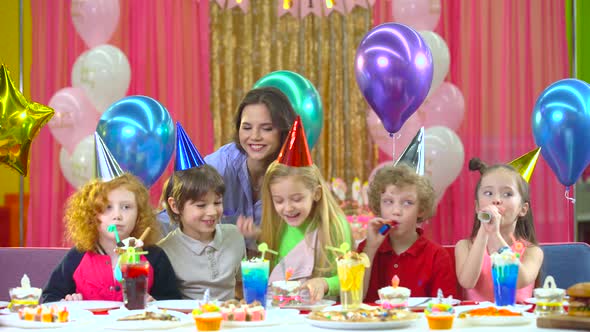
[(351, 273)]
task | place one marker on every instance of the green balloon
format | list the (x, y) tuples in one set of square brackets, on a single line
[(303, 96)]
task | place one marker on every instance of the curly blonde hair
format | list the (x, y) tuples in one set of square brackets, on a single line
[(402, 175), (326, 215), (85, 206)]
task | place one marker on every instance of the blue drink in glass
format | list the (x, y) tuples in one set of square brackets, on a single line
[(255, 280), (505, 276)]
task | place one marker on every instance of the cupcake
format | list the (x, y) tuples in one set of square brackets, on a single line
[(208, 321), (394, 296), (440, 316), (24, 296), (208, 317)]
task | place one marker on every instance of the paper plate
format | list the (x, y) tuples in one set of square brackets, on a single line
[(114, 324), (76, 317), (419, 302), (93, 306), (340, 325), (4, 304), (310, 307), (185, 306), (526, 318)]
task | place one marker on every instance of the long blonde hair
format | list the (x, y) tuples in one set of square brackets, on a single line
[(326, 215)]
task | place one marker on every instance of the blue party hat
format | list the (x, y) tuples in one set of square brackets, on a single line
[(107, 167), (187, 155), (413, 155)]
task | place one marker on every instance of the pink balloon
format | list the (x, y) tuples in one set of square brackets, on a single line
[(95, 20), (417, 14), (446, 107), (401, 139), (75, 117)]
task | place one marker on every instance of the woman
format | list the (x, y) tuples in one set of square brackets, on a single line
[(262, 122)]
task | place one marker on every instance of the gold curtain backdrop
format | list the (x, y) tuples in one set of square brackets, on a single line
[(247, 46)]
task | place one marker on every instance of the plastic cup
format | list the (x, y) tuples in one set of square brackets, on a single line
[(255, 281), (135, 284), (504, 277), (351, 273)]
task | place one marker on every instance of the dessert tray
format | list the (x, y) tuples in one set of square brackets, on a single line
[(362, 319), (273, 317), (151, 319), (76, 317)]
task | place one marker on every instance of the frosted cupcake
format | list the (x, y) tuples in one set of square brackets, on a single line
[(24, 296), (394, 296), (208, 317), (440, 316)]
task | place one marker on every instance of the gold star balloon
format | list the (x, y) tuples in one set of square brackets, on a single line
[(20, 122)]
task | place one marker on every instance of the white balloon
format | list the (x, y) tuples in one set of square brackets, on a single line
[(104, 74), (441, 58), (79, 167), (443, 158)]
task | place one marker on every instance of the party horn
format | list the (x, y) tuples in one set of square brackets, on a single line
[(484, 216), (384, 229)]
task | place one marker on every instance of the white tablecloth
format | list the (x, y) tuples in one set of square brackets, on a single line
[(297, 324)]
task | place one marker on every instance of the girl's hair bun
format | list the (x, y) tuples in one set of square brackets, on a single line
[(475, 164)]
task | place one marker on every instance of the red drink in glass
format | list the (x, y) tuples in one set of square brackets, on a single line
[(135, 284)]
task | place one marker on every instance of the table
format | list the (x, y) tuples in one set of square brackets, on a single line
[(297, 324)]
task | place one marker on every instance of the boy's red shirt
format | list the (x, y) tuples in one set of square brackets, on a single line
[(423, 268)]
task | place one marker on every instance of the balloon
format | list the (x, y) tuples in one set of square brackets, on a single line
[(75, 117), (304, 98), (78, 168), (443, 158), (440, 58), (418, 14), (20, 122), (104, 74), (95, 20), (393, 68), (385, 141), (445, 107), (140, 134), (561, 127)]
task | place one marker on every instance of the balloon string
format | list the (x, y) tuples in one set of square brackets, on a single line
[(567, 195), (392, 145)]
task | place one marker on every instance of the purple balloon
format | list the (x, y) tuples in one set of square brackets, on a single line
[(393, 69)]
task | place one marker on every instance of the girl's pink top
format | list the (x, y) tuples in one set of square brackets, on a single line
[(484, 288)]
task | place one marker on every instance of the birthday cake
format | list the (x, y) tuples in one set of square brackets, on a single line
[(285, 293), (24, 296), (394, 296)]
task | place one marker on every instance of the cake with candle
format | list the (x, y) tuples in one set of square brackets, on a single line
[(440, 316), (208, 317), (24, 296), (394, 296), (285, 292)]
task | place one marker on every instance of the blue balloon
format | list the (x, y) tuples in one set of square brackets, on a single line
[(140, 134), (561, 127)]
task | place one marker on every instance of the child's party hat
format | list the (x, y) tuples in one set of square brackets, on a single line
[(187, 155), (107, 167), (413, 155), (295, 151), (525, 164)]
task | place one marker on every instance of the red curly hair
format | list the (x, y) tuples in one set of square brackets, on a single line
[(84, 207)]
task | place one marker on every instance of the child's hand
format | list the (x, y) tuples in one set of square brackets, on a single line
[(374, 237), (317, 288), (493, 226), (73, 297), (247, 227)]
